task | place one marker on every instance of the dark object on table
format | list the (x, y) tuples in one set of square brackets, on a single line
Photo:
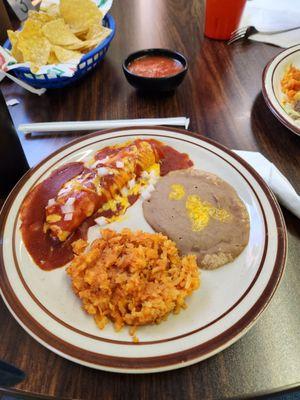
[(4, 22), (155, 84), (10, 375), (13, 163)]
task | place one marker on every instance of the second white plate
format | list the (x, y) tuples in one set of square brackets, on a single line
[(271, 85)]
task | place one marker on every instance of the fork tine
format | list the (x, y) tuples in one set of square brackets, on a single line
[(238, 34), (236, 38), (238, 30), (241, 31)]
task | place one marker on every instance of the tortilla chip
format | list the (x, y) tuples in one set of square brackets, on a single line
[(94, 31), (80, 14), (52, 58), (15, 51), (39, 16), (86, 45), (13, 37), (35, 50), (31, 28), (64, 55), (81, 34), (58, 33), (52, 10)]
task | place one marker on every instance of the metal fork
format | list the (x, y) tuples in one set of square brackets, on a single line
[(242, 33), (245, 31)]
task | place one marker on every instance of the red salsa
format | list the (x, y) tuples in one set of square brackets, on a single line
[(155, 66)]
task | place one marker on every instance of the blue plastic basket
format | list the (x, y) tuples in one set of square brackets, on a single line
[(87, 63)]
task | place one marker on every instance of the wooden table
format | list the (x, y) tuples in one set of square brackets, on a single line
[(222, 96)]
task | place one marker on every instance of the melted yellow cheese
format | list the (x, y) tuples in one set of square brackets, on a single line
[(53, 218), (120, 202), (200, 212), (177, 192), (155, 169), (62, 235)]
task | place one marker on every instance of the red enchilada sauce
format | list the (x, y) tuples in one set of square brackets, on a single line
[(49, 253), (170, 159), (155, 66)]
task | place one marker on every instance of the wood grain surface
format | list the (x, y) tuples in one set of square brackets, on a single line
[(222, 95)]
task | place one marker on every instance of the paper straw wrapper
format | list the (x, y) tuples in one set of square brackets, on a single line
[(61, 127)]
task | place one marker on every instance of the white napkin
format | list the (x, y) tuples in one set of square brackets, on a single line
[(268, 16), (281, 187)]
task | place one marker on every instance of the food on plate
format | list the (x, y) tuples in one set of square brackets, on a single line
[(290, 85), (133, 278), (142, 186), (60, 209), (81, 197), (202, 214), (58, 34), (155, 66)]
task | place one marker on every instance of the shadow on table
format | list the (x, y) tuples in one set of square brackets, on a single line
[(271, 136), (279, 145), (55, 104), (268, 130), (290, 395)]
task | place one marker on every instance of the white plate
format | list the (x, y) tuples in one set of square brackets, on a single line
[(271, 85), (221, 311)]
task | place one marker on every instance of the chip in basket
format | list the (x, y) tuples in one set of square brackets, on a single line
[(35, 48), (63, 55), (80, 14), (59, 34), (15, 52)]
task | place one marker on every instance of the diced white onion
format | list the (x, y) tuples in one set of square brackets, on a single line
[(146, 194), (94, 165), (65, 190), (131, 183), (150, 188), (67, 208), (68, 217), (70, 201), (97, 162), (102, 171), (119, 164), (101, 221), (51, 202), (124, 191), (144, 174), (104, 160)]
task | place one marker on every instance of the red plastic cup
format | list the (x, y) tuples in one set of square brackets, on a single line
[(222, 17)]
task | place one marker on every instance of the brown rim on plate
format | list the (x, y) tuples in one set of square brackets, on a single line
[(268, 101), (187, 356), (148, 342)]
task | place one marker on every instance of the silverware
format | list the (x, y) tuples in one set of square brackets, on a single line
[(10, 375), (245, 31)]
